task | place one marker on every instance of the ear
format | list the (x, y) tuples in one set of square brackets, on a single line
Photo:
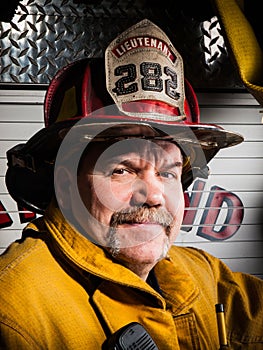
[(62, 182)]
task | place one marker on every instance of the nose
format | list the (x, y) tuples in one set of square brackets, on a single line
[(149, 191)]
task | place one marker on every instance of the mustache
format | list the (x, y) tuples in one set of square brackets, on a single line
[(142, 215)]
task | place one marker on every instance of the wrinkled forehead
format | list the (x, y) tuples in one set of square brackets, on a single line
[(153, 151)]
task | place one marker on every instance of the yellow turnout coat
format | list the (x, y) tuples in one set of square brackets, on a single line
[(59, 291)]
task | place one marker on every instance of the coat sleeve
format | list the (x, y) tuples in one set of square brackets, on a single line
[(242, 296), (11, 339)]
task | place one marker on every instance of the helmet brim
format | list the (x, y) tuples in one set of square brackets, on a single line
[(29, 178)]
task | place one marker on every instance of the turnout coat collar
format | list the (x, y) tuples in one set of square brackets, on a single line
[(94, 260)]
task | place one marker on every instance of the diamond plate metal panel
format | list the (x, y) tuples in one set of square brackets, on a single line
[(43, 36)]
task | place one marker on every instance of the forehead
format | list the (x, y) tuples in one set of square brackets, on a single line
[(149, 150)]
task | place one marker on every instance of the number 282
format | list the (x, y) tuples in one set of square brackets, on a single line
[(151, 80)]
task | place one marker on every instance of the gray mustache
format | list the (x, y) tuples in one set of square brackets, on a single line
[(142, 215)]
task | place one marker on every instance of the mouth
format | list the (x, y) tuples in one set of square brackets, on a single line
[(140, 232)]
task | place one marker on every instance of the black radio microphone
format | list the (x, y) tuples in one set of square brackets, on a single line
[(133, 336)]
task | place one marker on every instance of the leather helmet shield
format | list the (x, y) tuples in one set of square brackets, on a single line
[(142, 64)]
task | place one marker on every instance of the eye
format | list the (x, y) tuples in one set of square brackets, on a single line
[(168, 175), (120, 171), (122, 175)]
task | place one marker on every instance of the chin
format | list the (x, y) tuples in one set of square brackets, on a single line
[(149, 252)]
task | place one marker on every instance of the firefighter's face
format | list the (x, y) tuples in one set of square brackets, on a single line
[(133, 195)]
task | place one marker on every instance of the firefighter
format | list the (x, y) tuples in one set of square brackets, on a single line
[(107, 173)]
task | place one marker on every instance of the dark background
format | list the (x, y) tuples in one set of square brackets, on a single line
[(38, 37)]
